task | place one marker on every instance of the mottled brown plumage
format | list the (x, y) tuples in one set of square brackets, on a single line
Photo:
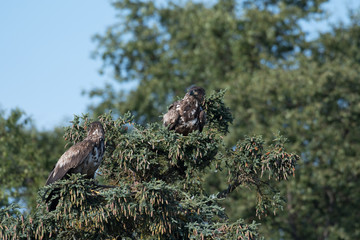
[(187, 115), (84, 157)]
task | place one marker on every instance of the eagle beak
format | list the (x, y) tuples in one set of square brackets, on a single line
[(193, 93)]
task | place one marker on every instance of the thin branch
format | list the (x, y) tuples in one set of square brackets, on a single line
[(230, 189), (106, 186)]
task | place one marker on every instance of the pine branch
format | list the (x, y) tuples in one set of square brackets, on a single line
[(106, 186), (230, 189)]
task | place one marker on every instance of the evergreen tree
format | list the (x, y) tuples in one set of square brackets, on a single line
[(26, 156), (152, 184), (276, 80), (164, 48), (321, 114)]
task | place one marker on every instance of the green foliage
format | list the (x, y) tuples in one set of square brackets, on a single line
[(276, 80), (250, 165), (165, 48), (26, 157), (316, 107), (217, 114), (156, 186)]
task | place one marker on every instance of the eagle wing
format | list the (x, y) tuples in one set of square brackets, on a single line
[(171, 118), (72, 158)]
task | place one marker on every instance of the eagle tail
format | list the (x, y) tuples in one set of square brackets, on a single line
[(50, 179)]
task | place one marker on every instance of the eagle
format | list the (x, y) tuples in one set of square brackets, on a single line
[(187, 115), (84, 157)]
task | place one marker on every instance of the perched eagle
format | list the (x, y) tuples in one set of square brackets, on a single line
[(84, 157), (186, 115)]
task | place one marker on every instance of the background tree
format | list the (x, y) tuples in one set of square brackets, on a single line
[(277, 80), (26, 157), (165, 49), (157, 184)]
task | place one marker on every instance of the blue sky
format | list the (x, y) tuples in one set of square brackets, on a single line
[(45, 49), (45, 62)]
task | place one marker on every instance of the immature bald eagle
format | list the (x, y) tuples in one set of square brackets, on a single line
[(84, 157), (187, 115)]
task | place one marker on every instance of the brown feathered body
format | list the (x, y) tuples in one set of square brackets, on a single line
[(84, 157), (187, 115)]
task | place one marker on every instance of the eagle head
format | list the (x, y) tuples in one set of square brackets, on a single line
[(197, 92), (96, 130)]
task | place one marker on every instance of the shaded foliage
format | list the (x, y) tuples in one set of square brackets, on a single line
[(26, 155), (276, 80), (165, 48), (156, 186)]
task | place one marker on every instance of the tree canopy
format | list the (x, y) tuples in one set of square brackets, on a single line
[(26, 156), (165, 48), (156, 189), (277, 80)]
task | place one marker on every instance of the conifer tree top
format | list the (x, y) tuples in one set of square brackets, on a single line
[(151, 184)]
